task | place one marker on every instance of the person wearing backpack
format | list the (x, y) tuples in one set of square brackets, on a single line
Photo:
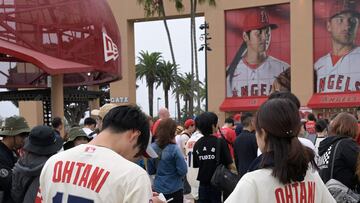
[(339, 151), (41, 144)]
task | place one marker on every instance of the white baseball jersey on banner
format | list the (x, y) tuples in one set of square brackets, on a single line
[(89, 173), (261, 186), (342, 76), (257, 81)]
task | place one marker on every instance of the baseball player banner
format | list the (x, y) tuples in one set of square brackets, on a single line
[(257, 50), (336, 45)]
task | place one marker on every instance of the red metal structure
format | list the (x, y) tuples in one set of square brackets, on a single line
[(77, 38)]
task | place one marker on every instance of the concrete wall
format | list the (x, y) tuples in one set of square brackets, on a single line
[(301, 53)]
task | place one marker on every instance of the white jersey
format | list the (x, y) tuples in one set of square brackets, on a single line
[(181, 141), (260, 186), (342, 76), (89, 173), (257, 81), (192, 172)]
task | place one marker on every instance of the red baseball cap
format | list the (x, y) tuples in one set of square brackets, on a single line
[(343, 6), (257, 19), (237, 117), (188, 123)]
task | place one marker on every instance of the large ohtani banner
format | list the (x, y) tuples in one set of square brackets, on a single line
[(257, 50)]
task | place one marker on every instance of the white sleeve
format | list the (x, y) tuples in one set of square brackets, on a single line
[(138, 190), (244, 192)]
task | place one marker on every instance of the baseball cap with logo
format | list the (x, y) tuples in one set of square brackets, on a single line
[(104, 109), (343, 6), (43, 140), (257, 19), (14, 125)]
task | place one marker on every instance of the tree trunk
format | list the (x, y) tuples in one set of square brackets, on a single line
[(196, 62), (172, 55), (191, 105), (193, 52), (186, 108), (151, 98), (166, 95)]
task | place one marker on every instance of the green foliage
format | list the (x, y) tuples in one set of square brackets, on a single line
[(147, 66)]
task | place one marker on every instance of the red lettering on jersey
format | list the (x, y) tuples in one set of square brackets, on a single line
[(67, 171), (339, 82), (311, 192), (254, 90), (331, 82), (302, 193), (102, 182), (244, 91), (85, 175), (79, 166), (38, 198), (347, 84), (279, 194), (57, 172), (95, 177), (288, 194), (322, 85), (357, 85), (295, 185), (263, 89)]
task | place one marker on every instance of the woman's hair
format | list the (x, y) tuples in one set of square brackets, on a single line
[(284, 80), (280, 119), (205, 122), (165, 132), (344, 124), (358, 167)]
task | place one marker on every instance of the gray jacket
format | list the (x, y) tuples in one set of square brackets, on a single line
[(25, 179)]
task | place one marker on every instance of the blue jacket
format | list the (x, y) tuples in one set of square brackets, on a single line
[(171, 169)]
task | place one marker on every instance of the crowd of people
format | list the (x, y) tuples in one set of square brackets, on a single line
[(120, 155)]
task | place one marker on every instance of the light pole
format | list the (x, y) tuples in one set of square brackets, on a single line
[(205, 47), (158, 104)]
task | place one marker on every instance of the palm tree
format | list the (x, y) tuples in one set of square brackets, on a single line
[(148, 67), (194, 58), (152, 7), (185, 90), (167, 75)]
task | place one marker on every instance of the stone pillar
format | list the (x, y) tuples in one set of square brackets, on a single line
[(57, 97)]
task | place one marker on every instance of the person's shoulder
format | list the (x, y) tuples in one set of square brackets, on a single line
[(356, 50), (307, 143), (322, 60), (272, 59), (258, 175)]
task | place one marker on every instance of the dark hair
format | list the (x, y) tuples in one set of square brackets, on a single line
[(286, 95), (311, 117), (205, 121), (165, 132), (89, 121), (229, 120), (284, 79), (344, 124), (320, 125), (123, 118), (280, 120), (246, 119), (56, 122)]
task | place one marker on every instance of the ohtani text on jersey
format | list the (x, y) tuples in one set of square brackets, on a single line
[(337, 82), (80, 174), (296, 192)]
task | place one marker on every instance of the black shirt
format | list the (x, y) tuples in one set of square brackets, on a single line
[(205, 157), (245, 151), (345, 160), (7, 161)]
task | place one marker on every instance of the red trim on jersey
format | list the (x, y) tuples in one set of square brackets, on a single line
[(253, 66), (335, 58), (334, 100)]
